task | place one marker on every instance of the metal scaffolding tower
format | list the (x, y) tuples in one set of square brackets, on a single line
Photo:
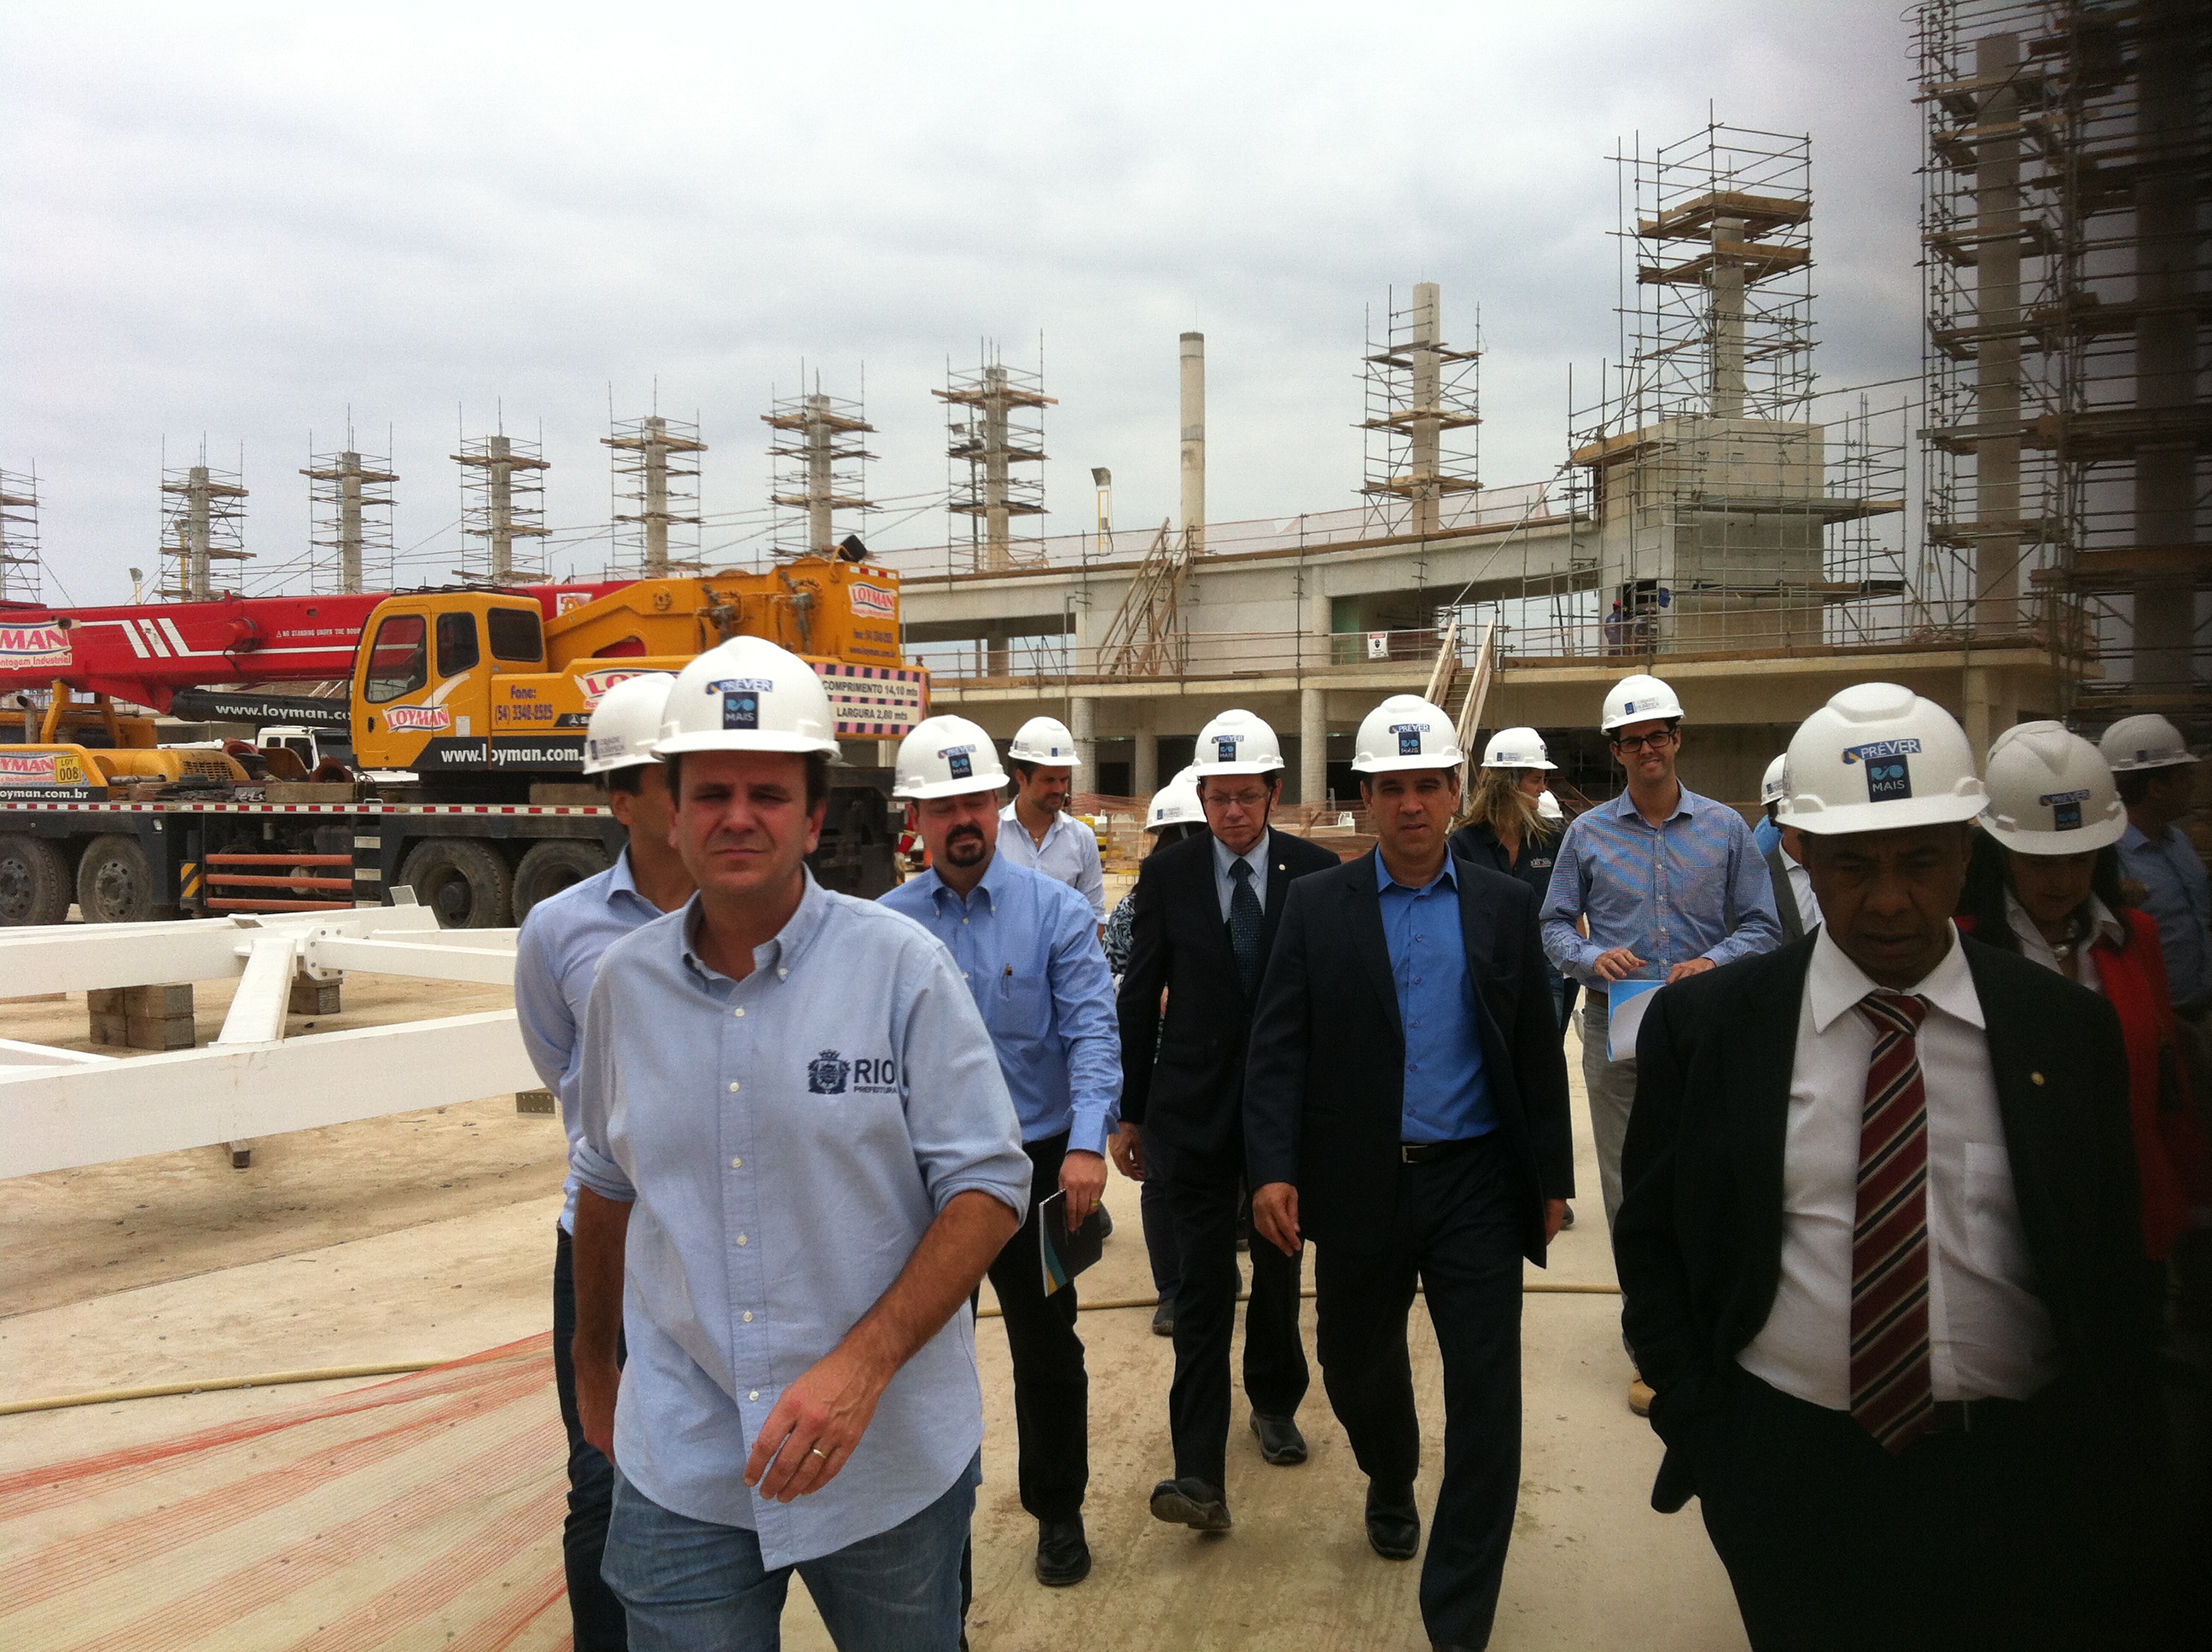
[(821, 468), (1421, 394), (995, 421), (352, 501), (203, 522), (503, 500), (21, 572), (657, 481)]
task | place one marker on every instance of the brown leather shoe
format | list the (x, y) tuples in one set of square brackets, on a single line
[(1639, 1396)]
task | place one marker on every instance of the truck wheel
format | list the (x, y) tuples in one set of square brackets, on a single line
[(463, 881), (35, 881), (551, 866), (114, 884)]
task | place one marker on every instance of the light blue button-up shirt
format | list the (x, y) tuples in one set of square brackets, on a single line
[(1069, 853), (1225, 881), (2178, 901), (1665, 892), (784, 1142), (1028, 948), (1447, 1096), (556, 958)]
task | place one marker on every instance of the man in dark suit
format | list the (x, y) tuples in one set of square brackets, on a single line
[(1406, 1107), (1880, 1245), (1795, 902), (1207, 909)]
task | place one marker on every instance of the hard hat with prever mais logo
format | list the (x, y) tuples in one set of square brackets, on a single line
[(1878, 758), (626, 722), (1517, 748), (747, 694), (1045, 742), (2051, 792), (1638, 699), (1175, 804), (1237, 743), (946, 757), (1405, 732)]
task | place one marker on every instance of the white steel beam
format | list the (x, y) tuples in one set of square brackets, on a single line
[(78, 957), (424, 957), (55, 1118), (263, 994)]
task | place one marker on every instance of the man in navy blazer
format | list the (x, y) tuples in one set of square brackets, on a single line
[(1405, 1106)]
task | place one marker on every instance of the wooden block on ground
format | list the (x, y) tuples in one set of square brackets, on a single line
[(105, 1001), (536, 1101), (158, 1032), (313, 997), (241, 1155), (169, 1001), (111, 1027)]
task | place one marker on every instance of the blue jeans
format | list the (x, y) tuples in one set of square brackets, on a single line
[(691, 1585)]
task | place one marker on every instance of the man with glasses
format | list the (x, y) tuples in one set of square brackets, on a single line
[(1672, 885), (1206, 911)]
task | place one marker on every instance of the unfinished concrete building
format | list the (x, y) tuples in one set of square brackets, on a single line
[(995, 420), (350, 496), (203, 523), (656, 484), (503, 508), (821, 468)]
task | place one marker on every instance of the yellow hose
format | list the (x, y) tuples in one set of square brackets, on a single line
[(342, 1373)]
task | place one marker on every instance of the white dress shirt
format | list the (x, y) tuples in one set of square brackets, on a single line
[(2036, 949), (1801, 887), (1989, 1332), (1069, 853), (1224, 881)]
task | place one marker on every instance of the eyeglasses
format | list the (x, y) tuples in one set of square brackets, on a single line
[(1236, 799), (1658, 741)]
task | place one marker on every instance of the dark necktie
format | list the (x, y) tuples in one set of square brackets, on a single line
[(1244, 925), (1893, 1386)]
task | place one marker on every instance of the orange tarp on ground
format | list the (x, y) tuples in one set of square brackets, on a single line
[(422, 1512)]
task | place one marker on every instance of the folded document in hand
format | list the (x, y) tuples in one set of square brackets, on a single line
[(1065, 1255), (1626, 1003)]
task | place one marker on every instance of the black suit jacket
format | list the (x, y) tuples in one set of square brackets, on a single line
[(1325, 1086), (1699, 1242), (1183, 1082)]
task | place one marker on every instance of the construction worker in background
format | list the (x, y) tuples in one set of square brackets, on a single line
[(1407, 1109), (1795, 906), (1767, 833), (1028, 948), (1657, 875), (1207, 914), (2157, 773), (556, 959), (1881, 1252), (1173, 814), (797, 1157), (1045, 835)]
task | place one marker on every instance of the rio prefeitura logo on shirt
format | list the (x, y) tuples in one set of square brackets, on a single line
[(829, 1072)]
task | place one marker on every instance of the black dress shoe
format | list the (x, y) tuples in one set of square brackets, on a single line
[(1105, 1224), (1190, 1503), (1163, 1318), (1281, 1443), (1394, 1522), (1566, 1221), (1062, 1557)]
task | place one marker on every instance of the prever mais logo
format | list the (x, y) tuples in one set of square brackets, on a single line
[(428, 719), (34, 645), (1888, 767)]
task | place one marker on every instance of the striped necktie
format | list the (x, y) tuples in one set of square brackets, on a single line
[(1893, 1391)]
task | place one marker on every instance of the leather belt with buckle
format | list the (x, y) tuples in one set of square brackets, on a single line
[(1428, 1152)]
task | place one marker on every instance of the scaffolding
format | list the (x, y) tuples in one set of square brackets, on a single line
[(203, 522), (656, 484), (21, 572), (350, 495), (2068, 151), (1424, 417), (821, 468), (995, 421), (1721, 514), (504, 502)]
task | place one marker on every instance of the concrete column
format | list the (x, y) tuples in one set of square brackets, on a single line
[(1427, 431), (1727, 321), (821, 437), (1145, 765), (1193, 440), (349, 475), (1313, 745), (1083, 723), (1990, 707), (1996, 358)]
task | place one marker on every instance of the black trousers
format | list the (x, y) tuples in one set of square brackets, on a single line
[(1202, 1195), (2020, 1534), (1456, 1231), (1052, 1391), (596, 1614)]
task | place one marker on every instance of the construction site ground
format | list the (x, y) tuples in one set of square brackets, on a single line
[(429, 1237)]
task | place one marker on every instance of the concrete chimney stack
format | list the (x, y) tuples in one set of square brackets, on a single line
[(1193, 440)]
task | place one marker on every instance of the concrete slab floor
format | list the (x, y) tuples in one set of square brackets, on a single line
[(429, 1237)]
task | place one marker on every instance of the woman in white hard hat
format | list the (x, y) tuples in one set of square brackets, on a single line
[(2046, 884), (2157, 776), (1504, 826)]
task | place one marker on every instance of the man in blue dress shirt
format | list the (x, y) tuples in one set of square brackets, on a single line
[(556, 959), (1028, 948), (798, 1160)]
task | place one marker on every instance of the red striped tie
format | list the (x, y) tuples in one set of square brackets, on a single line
[(1893, 1391)]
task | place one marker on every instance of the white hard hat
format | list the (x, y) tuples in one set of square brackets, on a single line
[(2051, 792), (1547, 807), (2145, 741), (1044, 740), (945, 758), (747, 694), (1638, 699), (1774, 784), (1878, 757), (626, 722), (1176, 803), (1517, 748), (1238, 743), (1405, 732)]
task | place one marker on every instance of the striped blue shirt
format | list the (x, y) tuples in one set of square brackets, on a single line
[(1695, 887)]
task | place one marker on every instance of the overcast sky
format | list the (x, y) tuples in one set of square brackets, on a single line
[(232, 223)]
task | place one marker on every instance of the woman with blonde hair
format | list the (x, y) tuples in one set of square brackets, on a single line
[(1505, 827)]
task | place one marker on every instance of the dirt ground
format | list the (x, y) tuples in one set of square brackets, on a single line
[(429, 1236)]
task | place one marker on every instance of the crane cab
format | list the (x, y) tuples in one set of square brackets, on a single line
[(423, 677)]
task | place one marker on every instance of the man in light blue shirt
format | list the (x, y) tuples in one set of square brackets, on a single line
[(556, 959), (1029, 953), (798, 1160), (1045, 835), (1446, 1096)]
